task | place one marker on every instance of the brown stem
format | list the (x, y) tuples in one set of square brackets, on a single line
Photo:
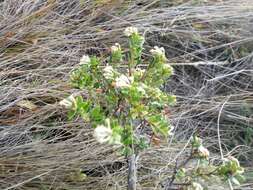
[(132, 172), (178, 167)]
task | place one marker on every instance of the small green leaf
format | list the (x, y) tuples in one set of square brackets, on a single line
[(181, 173), (96, 115), (159, 124), (71, 114)]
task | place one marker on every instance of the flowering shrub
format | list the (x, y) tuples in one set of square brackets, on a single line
[(123, 100), (122, 97)]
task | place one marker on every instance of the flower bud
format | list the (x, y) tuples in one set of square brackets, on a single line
[(68, 102), (158, 51), (84, 60), (203, 152), (116, 47)]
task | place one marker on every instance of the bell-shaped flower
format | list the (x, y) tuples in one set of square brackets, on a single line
[(84, 60), (102, 134), (68, 102), (203, 152)]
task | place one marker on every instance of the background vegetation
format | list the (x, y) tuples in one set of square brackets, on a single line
[(208, 42)]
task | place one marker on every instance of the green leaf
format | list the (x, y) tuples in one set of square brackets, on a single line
[(81, 77), (143, 144), (97, 115), (240, 178), (94, 62), (116, 135), (71, 114), (116, 58), (196, 142), (83, 107), (136, 46), (159, 124), (171, 100), (181, 173), (126, 150), (127, 136)]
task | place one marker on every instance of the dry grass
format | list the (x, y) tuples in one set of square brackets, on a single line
[(208, 42)]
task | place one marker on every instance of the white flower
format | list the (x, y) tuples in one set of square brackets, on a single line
[(68, 102), (108, 72), (123, 81), (116, 47), (84, 60), (159, 51), (196, 186), (130, 30), (102, 134), (170, 130), (203, 152)]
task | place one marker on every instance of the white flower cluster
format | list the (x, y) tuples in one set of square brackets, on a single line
[(130, 31), (68, 102), (116, 47), (158, 51), (108, 72), (196, 186), (203, 152), (123, 81), (102, 134), (84, 60)]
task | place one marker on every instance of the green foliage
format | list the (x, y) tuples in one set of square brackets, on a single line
[(121, 96), (159, 124), (231, 169), (203, 172)]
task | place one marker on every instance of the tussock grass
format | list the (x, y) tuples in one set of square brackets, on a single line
[(208, 42)]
